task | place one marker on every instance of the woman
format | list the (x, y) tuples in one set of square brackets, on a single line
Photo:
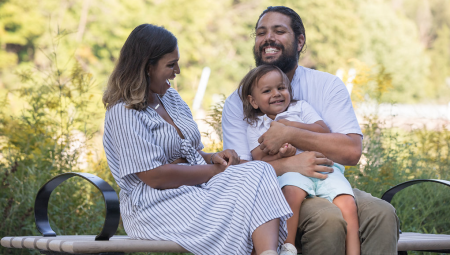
[(170, 189)]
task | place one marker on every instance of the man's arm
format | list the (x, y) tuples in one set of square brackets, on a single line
[(318, 126), (235, 137), (343, 145), (343, 149)]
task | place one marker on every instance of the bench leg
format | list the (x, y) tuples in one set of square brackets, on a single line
[(64, 253)]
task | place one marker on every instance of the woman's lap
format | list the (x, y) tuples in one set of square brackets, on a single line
[(221, 213)]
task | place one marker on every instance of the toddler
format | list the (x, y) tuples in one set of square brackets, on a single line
[(267, 96)]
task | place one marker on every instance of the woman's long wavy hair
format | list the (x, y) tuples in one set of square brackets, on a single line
[(249, 81), (129, 81)]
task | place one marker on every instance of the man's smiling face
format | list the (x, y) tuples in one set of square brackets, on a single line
[(275, 42)]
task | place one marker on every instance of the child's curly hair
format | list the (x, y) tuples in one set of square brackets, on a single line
[(246, 87)]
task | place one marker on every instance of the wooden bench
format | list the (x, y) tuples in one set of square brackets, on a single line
[(107, 244)]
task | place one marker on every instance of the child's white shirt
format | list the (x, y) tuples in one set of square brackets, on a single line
[(299, 111)]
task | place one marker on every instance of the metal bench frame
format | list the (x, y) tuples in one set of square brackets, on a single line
[(389, 194), (106, 243)]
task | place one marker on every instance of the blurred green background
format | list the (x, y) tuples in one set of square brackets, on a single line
[(55, 58)]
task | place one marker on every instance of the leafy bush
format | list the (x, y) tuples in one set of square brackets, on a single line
[(48, 137), (392, 156)]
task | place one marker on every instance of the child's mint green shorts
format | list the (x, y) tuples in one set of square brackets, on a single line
[(335, 184)]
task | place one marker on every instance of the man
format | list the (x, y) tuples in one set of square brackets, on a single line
[(279, 39)]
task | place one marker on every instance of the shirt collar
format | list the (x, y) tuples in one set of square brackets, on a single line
[(264, 120), (295, 83)]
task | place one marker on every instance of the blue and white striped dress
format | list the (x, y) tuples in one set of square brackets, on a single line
[(217, 217)]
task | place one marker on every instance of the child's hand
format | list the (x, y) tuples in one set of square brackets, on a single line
[(287, 150)]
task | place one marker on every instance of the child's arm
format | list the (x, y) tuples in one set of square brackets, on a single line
[(318, 126), (286, 150)]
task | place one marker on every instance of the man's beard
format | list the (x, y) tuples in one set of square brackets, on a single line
[(286, 62)]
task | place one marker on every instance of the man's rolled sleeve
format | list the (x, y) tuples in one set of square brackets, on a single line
[(234, 127)]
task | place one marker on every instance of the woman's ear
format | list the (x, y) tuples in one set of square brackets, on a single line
[(252, 102), (148, 71)]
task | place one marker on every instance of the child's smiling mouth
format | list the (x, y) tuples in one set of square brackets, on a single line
[(277, 102)]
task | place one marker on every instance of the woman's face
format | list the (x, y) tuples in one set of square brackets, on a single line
[(166, 69)]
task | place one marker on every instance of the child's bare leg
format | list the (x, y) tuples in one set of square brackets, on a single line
[(294, 196), (347, 205)]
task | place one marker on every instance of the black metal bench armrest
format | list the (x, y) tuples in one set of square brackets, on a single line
[(389, 194), (112, 216)]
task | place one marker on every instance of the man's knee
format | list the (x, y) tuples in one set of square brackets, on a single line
[(319, 215), (383, 210), (374, 211), (379, 216), (321, 220), (378, 224)]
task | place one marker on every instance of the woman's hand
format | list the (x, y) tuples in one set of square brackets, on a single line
[(227, 157), (287, 150)]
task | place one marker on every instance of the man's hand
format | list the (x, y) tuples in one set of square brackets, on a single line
[(272, 140), (284, 122), (287, 150), (309, 163)]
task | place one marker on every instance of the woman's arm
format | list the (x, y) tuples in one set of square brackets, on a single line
[(171, 176), (318, 126)]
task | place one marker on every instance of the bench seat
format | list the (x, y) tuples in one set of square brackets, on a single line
[(86, 244)]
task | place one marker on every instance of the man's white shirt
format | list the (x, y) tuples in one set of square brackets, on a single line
[(325, 92)]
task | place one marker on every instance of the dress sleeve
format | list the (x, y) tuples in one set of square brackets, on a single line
[(132, 136)]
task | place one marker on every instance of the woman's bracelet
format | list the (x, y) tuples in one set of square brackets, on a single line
[(212, 156)]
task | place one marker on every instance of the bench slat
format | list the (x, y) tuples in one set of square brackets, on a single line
[(423, 242), (87, 244)]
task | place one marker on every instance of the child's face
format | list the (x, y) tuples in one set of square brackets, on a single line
[(270, 95)]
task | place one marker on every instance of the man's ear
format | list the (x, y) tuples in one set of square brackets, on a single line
[(301, 42), (252, 102)]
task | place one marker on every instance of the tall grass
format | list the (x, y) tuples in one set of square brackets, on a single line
[(391, 156)]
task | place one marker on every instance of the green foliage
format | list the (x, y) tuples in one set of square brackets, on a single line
[(392, 156), (214, 120), (408, 40), (49, 136)]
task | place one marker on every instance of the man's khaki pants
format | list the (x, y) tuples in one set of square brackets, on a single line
[(322, 229)]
